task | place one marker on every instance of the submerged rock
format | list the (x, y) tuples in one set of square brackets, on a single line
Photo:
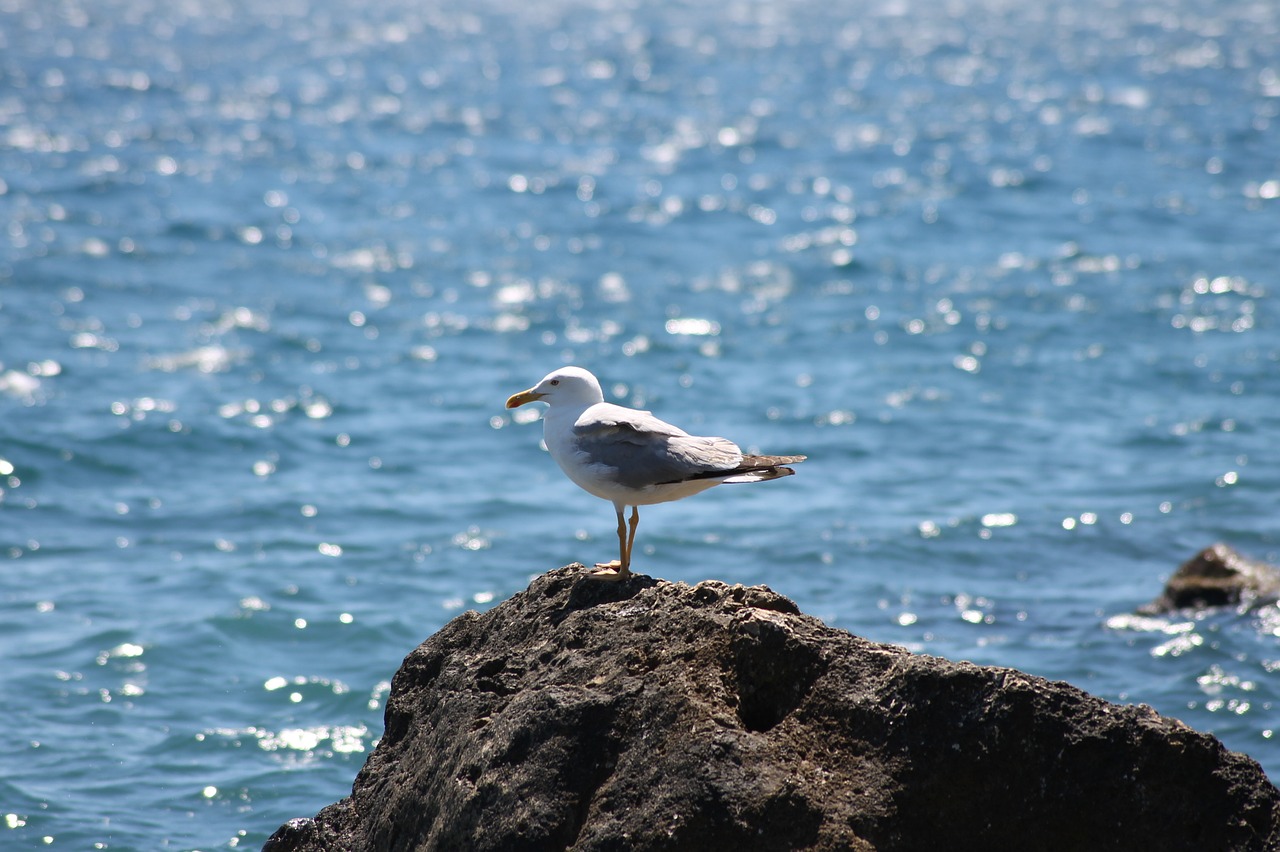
[(1217, 576), (649, 715)]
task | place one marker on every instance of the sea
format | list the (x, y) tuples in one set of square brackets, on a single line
[(1004, 270)]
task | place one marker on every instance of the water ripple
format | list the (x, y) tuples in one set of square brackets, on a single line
[(267, 274)]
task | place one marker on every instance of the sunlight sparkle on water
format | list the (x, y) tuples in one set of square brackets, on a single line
[(261, 304)]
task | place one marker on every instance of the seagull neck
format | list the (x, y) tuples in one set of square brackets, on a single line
[(566, 412)]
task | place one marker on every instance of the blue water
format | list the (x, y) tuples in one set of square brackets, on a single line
[(1006, 272)]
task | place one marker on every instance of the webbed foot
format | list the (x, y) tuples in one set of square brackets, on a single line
[(611, 571)]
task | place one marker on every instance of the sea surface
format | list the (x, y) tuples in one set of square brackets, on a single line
[(1005, 271)]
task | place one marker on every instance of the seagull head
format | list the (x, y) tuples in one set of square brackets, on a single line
[(566, 386)]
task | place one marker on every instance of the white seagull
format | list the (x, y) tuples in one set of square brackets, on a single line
[(632, 458)]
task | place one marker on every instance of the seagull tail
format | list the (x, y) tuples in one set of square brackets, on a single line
[(752, 462), (763, 468), (762, 475)]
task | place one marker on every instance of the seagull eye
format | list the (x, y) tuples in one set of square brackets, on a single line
[(555, 382)]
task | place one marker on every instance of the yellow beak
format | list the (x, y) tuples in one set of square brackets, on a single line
[(519, 399)]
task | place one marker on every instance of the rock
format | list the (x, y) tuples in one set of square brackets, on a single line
[(647, 715), (1217, 576)]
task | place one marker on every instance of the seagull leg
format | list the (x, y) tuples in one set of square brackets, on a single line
[(619, 568), (631, 539)]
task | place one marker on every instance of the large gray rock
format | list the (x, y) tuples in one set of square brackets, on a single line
[(651, 715)]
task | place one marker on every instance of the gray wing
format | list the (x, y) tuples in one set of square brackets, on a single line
[(639, 449)]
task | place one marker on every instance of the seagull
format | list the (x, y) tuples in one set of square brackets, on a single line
[(632, 458)]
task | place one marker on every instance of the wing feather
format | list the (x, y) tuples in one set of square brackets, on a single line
[(640, 450)]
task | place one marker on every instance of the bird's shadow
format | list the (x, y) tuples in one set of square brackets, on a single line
[(585, 591)]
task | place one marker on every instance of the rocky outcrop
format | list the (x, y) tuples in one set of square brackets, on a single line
[(648, 715), (1218, 576)]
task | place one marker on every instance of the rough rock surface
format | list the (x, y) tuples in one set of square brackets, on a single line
[(650, 715), (1218, 576)]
